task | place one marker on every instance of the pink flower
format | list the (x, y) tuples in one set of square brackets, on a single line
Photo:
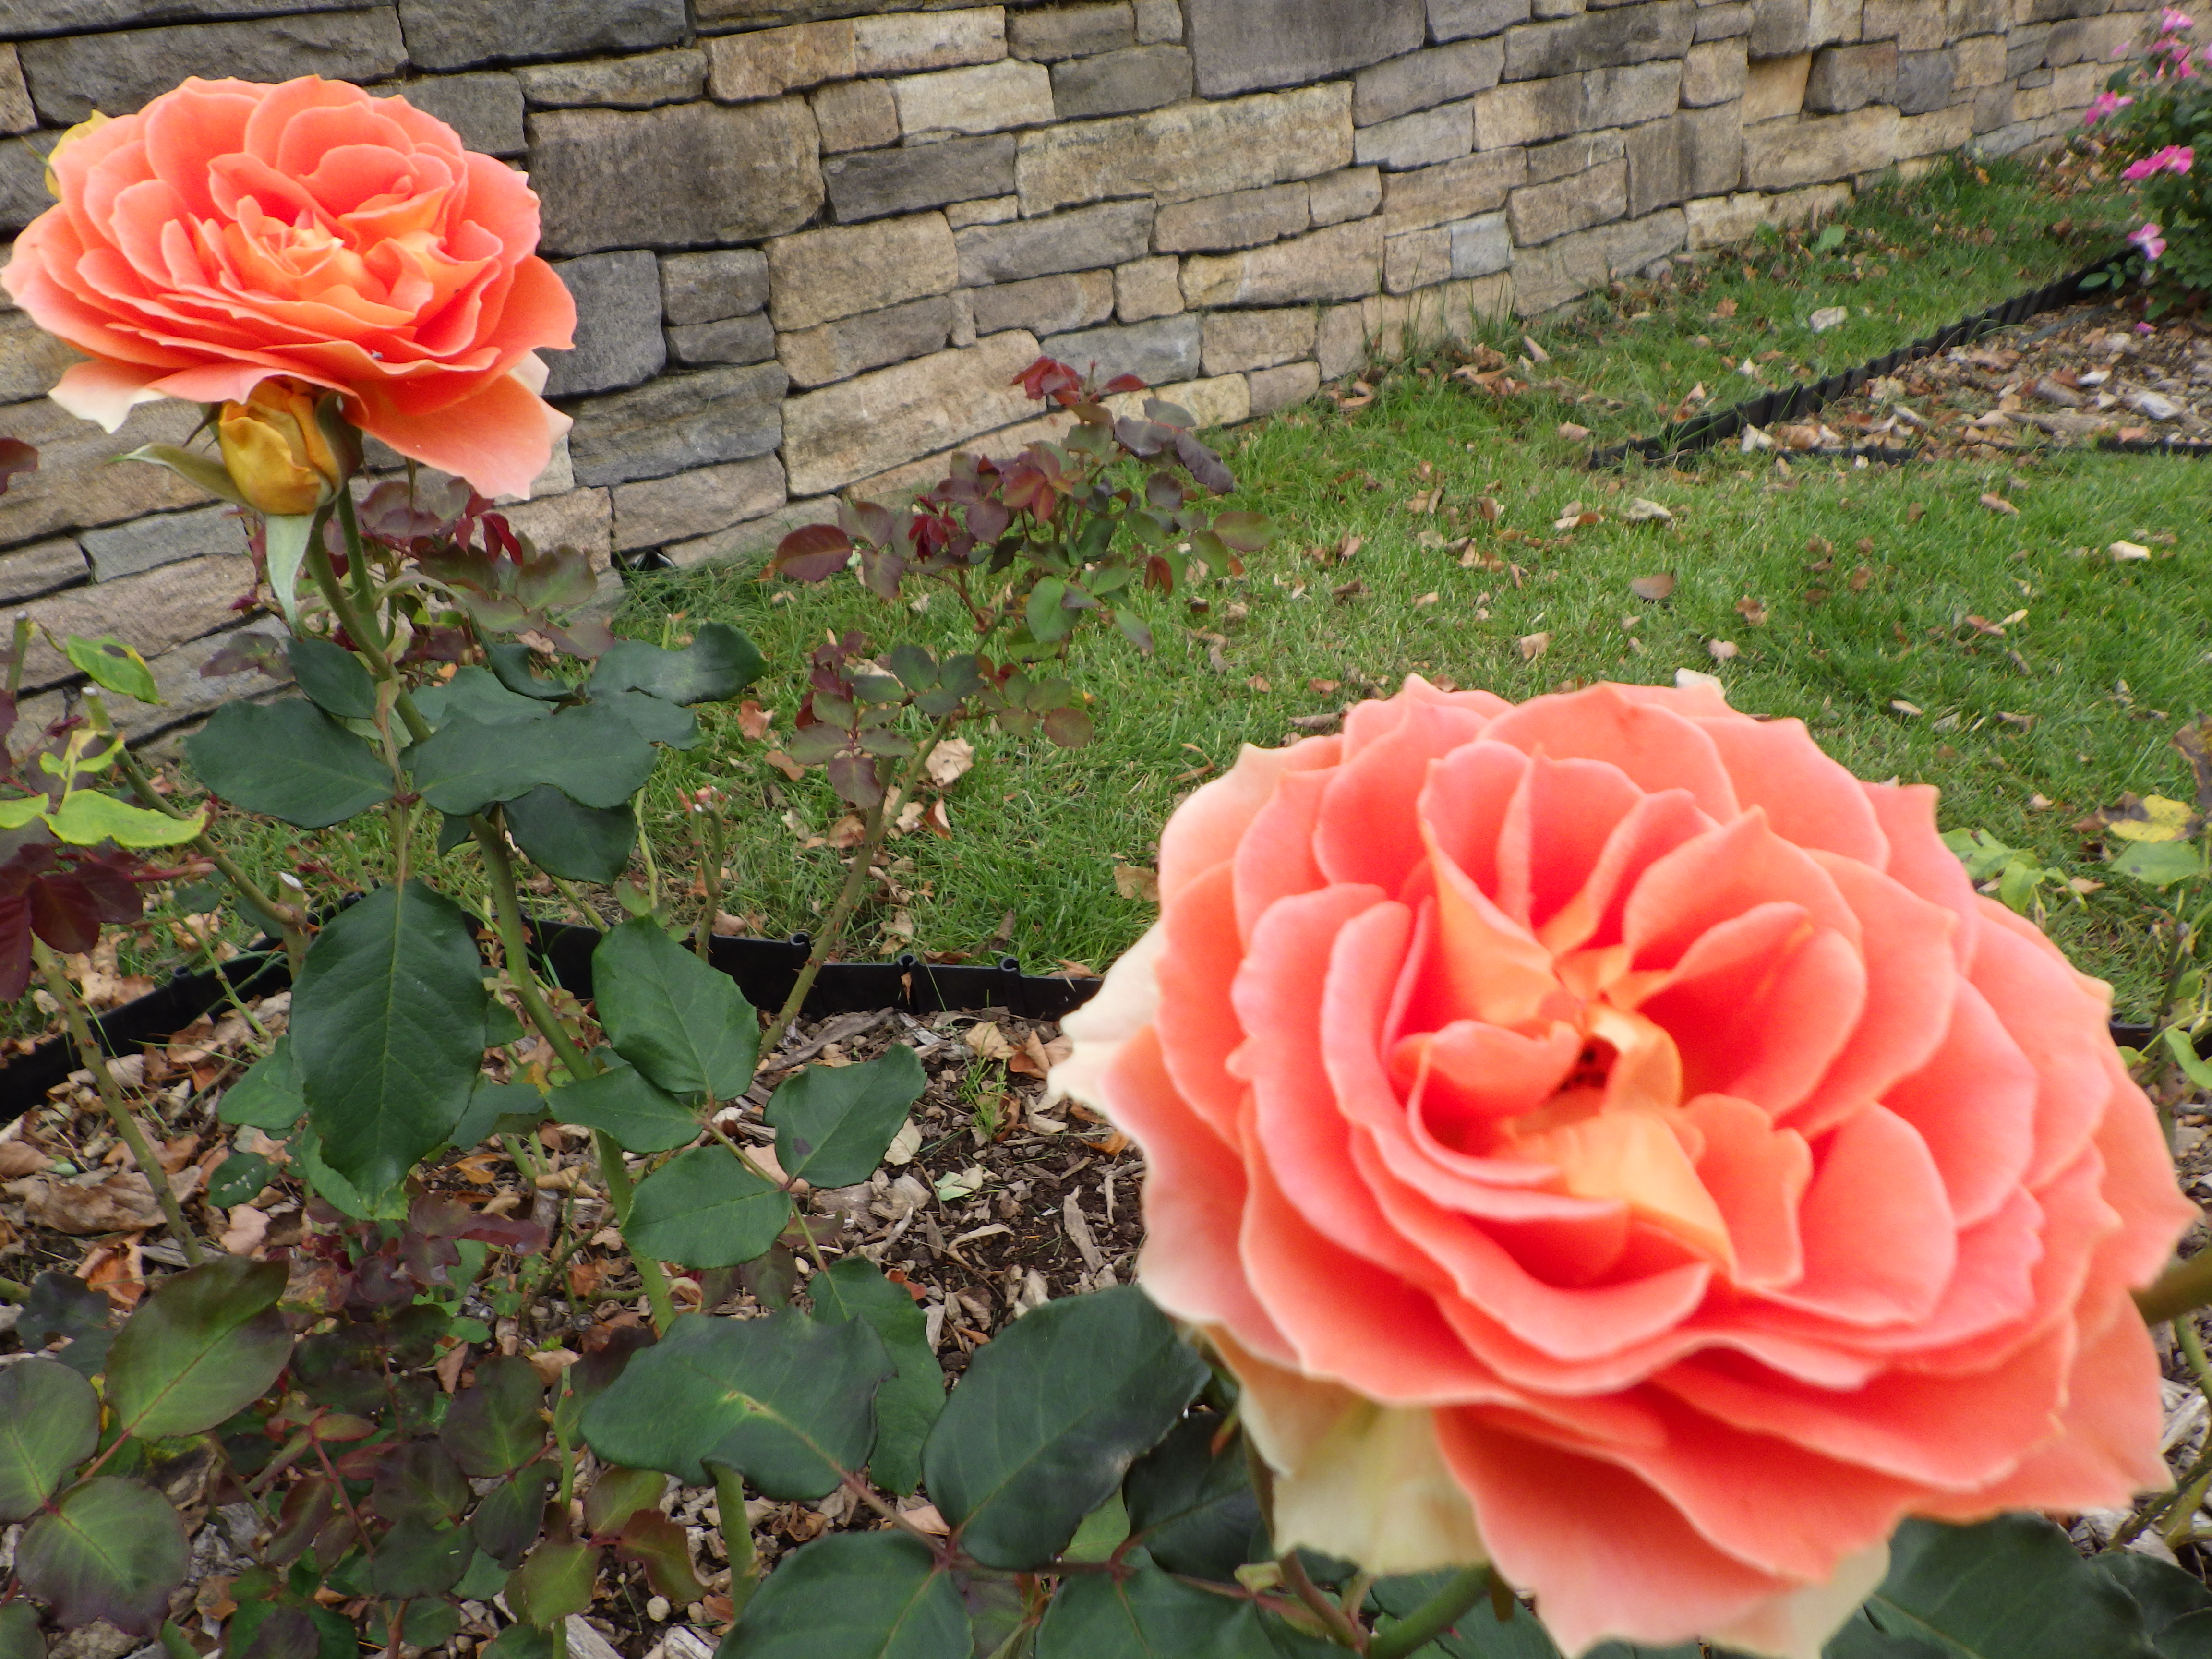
[(2104, 103), (2150, 240), (2174, 158), (2174, 21)]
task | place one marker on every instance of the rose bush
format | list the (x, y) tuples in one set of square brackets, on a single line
[(229, 233), (1605, 1138)]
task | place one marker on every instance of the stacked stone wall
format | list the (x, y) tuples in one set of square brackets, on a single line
[(812, 244)]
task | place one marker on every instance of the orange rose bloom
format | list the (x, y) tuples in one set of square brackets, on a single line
[(1607, 1139), (229, 232)]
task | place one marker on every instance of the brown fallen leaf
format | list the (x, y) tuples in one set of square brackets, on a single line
[(1488, 508), (1859, 578), (753, 720), (1324, 687), (1914, 513), (1534, 646), (1573, 433), (1819, 547), (2123, 550), (120, 1202), (1641, 511), (1036, 1059), (950, 760), (1751, 611), (18, 1159), (1536, 353), (1259, 682), (1726, 308), (1721, 650), (1998, 504), (1654, 588), (1910, 710), (1426, 599), (784, 764), (242, 1235), (1136, 881)]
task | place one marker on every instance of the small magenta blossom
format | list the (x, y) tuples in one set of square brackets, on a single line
[(2151, 241), (2174, 21), (2104, 103), (2174, 158)]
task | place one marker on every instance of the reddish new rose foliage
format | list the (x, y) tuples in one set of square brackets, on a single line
[(1607, 1139)]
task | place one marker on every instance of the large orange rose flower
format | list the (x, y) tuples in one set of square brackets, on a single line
[(230, 232), (1608, 1139)]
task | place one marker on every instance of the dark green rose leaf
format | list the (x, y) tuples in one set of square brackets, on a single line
[(718, 664), (1481, 1635), (49, 1424), (856, 1596), (428, 1623), (834, 1123), (1150, 1615), (653, 720), (907, 1403), (509, 1517), (287, 760), (2162, 1590), (204, 1345), (492, 1427), (343, 1369), (685, 1026), (419, 1556), (60, 1304), (387, 1032), (479, 695), (262, 1629), (334, 679), (510, 663), (617, 1494), (269, 1096), (555, 1581), (640, 1118), (108, 1549), (577, 843), (419, 1479), (504, 1108), (1050, 1418), (785, 1400), (591, 754), (1195, 1511), (239, 1178), (523, 1641), (705, 1209), (19, 1632)]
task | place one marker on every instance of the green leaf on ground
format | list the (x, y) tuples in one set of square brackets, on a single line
[(108, 1549), (200, 1349), (419, 1556), (856, 1596), (49, 1424), (492, 1427), (684, 1024), (19, 1632), (834, 1123), (705, 1209), (908, 1402), (553, 1583), (287, 760)]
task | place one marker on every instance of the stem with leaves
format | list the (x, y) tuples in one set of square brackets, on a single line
[(1433, 1617), (110, 1096)]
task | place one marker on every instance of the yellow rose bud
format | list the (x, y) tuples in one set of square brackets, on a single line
[(91, 123), (277, 452)]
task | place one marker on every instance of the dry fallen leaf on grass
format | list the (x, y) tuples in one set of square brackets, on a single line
[(754, 720), (1135, 881), (1722, 650), (1036, 1058), (1725, 309), (847, 832), (1689, 679), (1573, 433), (1534, 646), (1998, 504), (1426, 599), (1910, 710), (121, 1202), (1828, 317), (1751, 611), (950, 760), (1641, 511), (1653, 588), (784, 764), (1915, 512), (2128, 550), (243, 1235)]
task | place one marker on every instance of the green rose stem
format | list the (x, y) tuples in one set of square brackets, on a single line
[(1334, 1620), (2184, 1286), (88, 1050), (1433, 1617), (506, 905)]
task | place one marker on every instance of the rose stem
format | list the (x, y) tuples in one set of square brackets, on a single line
[(2184, 1286), (1336, 1620), (87, 1048), (1433, 1617), (22, 650), (711, 876)]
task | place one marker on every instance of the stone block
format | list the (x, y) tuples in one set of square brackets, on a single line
[(988, 98), (1935, 133), (1577, 153), (749, 339), (1352, 193), (1421, 79), (1148, 288), (863, 426), (680, 176), (1727, 20), (1781, 28), (75, 484), (1833, 22), (16, 112), (187, 695), (992, 210), (1473, 247), (1527, 111), (1548, 277), (1635, 92), (750, 540), (1235, 341), (696, 504), (906, 43), (1432, 136), (1714, 73), (1844, 78), (1780, 155), (1273, 389), (644, 82), (1992, 110), (1052, 33), (1977, 62), (1915, 25), (581, 518), (886, 182), (1965, 17), (1634, 33), (41, 567), (1159, 353), (2091, 40), (143, 544), (1540, 213), (855, 115), (1656, 176), (770, 62), (157, 612), (1046, 305), (456, 33), (1159, 22), (31, 360), (1394, 323), (853, 345), (1457, 190), (26, 18), (2025, 46), (485, 108), (1458, 20), (840, 270), (1341, 263), (705, 288), (1712, 149), (1121, 82), (1924, 81), (676, 423), (1190, 150), (1775, 87), (1241, 45), (618, 341), (1111, 234), (23, 195), (1341, 347), (75, 75), (1544, 10), (1220, 400)]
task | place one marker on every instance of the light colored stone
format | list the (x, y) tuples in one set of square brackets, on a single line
[(1457, 20), (855, 115), (1725, 20), (853, 345), (645, 82), (156, 612), (696, 504), (31, 360), (678, 422), (1421, 79), (904, 43), (16, 114), (753, 539), (1833, 22), (1045, 305), (75, 484), (1779, 155), (1965, 17), (1111, 234), (1635, 92), (1714, 73), (1148, 287), (1850, 78), (705, 288), (1191, 150), (1239, 340), (1480, 246), (1393, 324), (880, 182), (1457, 190), (1158, 353), (1717, 221), (1538, 213), (1243, 44), (1548, 277), (768, 63), (1775, 87), (997, 210), (1578, 154), (1652, 31), (41, 567), (1222, 400), (1244, 218), (485, 110), (1432, 136), (1353, 193), (1342, 346), (186, 695), (881, 420), (1273, 389), (1780, 28), (1915, 25), (819, 276), (1935, 133), (1527, 111), (989, 98), (1978, 62), (1120, 83), (581, 518), (1159, 22), (1050, 33), (732, 340), (1341, 263)]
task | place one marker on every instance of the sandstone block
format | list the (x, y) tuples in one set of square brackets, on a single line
[(1148, 288), (678, 422), (1342, 345), (1244, 218), (1544, 10), (1924, 81), (1714, 73), (1190, 150), (31, 360), (1159, 353), (645, 82), (1578, 154), (1240, 46), (1992, 110), (1045, 305), (2025, 46), (618, 341), (1779, 155), (1915, 25), (1273, 389), (1656, 176), (1341, 263), (696, 503), (1421, 79), (991, 211), (754, 539), (2077, 83), (1633, 33), (1775, 87), (1846, 78), (155, 612), (1235, 341), (750, 339), (41, 567), (1458, 20), (1121, 82), (75, 485), (865, 425), (1414, 260), (855, 115), (1636, 92), (680, 176), (818, 276), (1935, 133), (1221, 400), (72, 75), (456, 33), (1421, 140), (1352, 193), (1727, 20), (143, 544), (988, 98), (1395, 322), (1712, 149), (1540, 213), (1548, 277), (1527, 111), (1159, 22), (16, 113), (1781, 28), (1716, 221), (581, 518), (1977, 61), (1833, 22), (887, 181), (23, 195), (705, 288), (1111, 234), (185, 694), (768, 63), (485, 109), (1457, 190), (2091, 39), (1058, 31), (905, 43), (853, 345), (1965, 17)]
